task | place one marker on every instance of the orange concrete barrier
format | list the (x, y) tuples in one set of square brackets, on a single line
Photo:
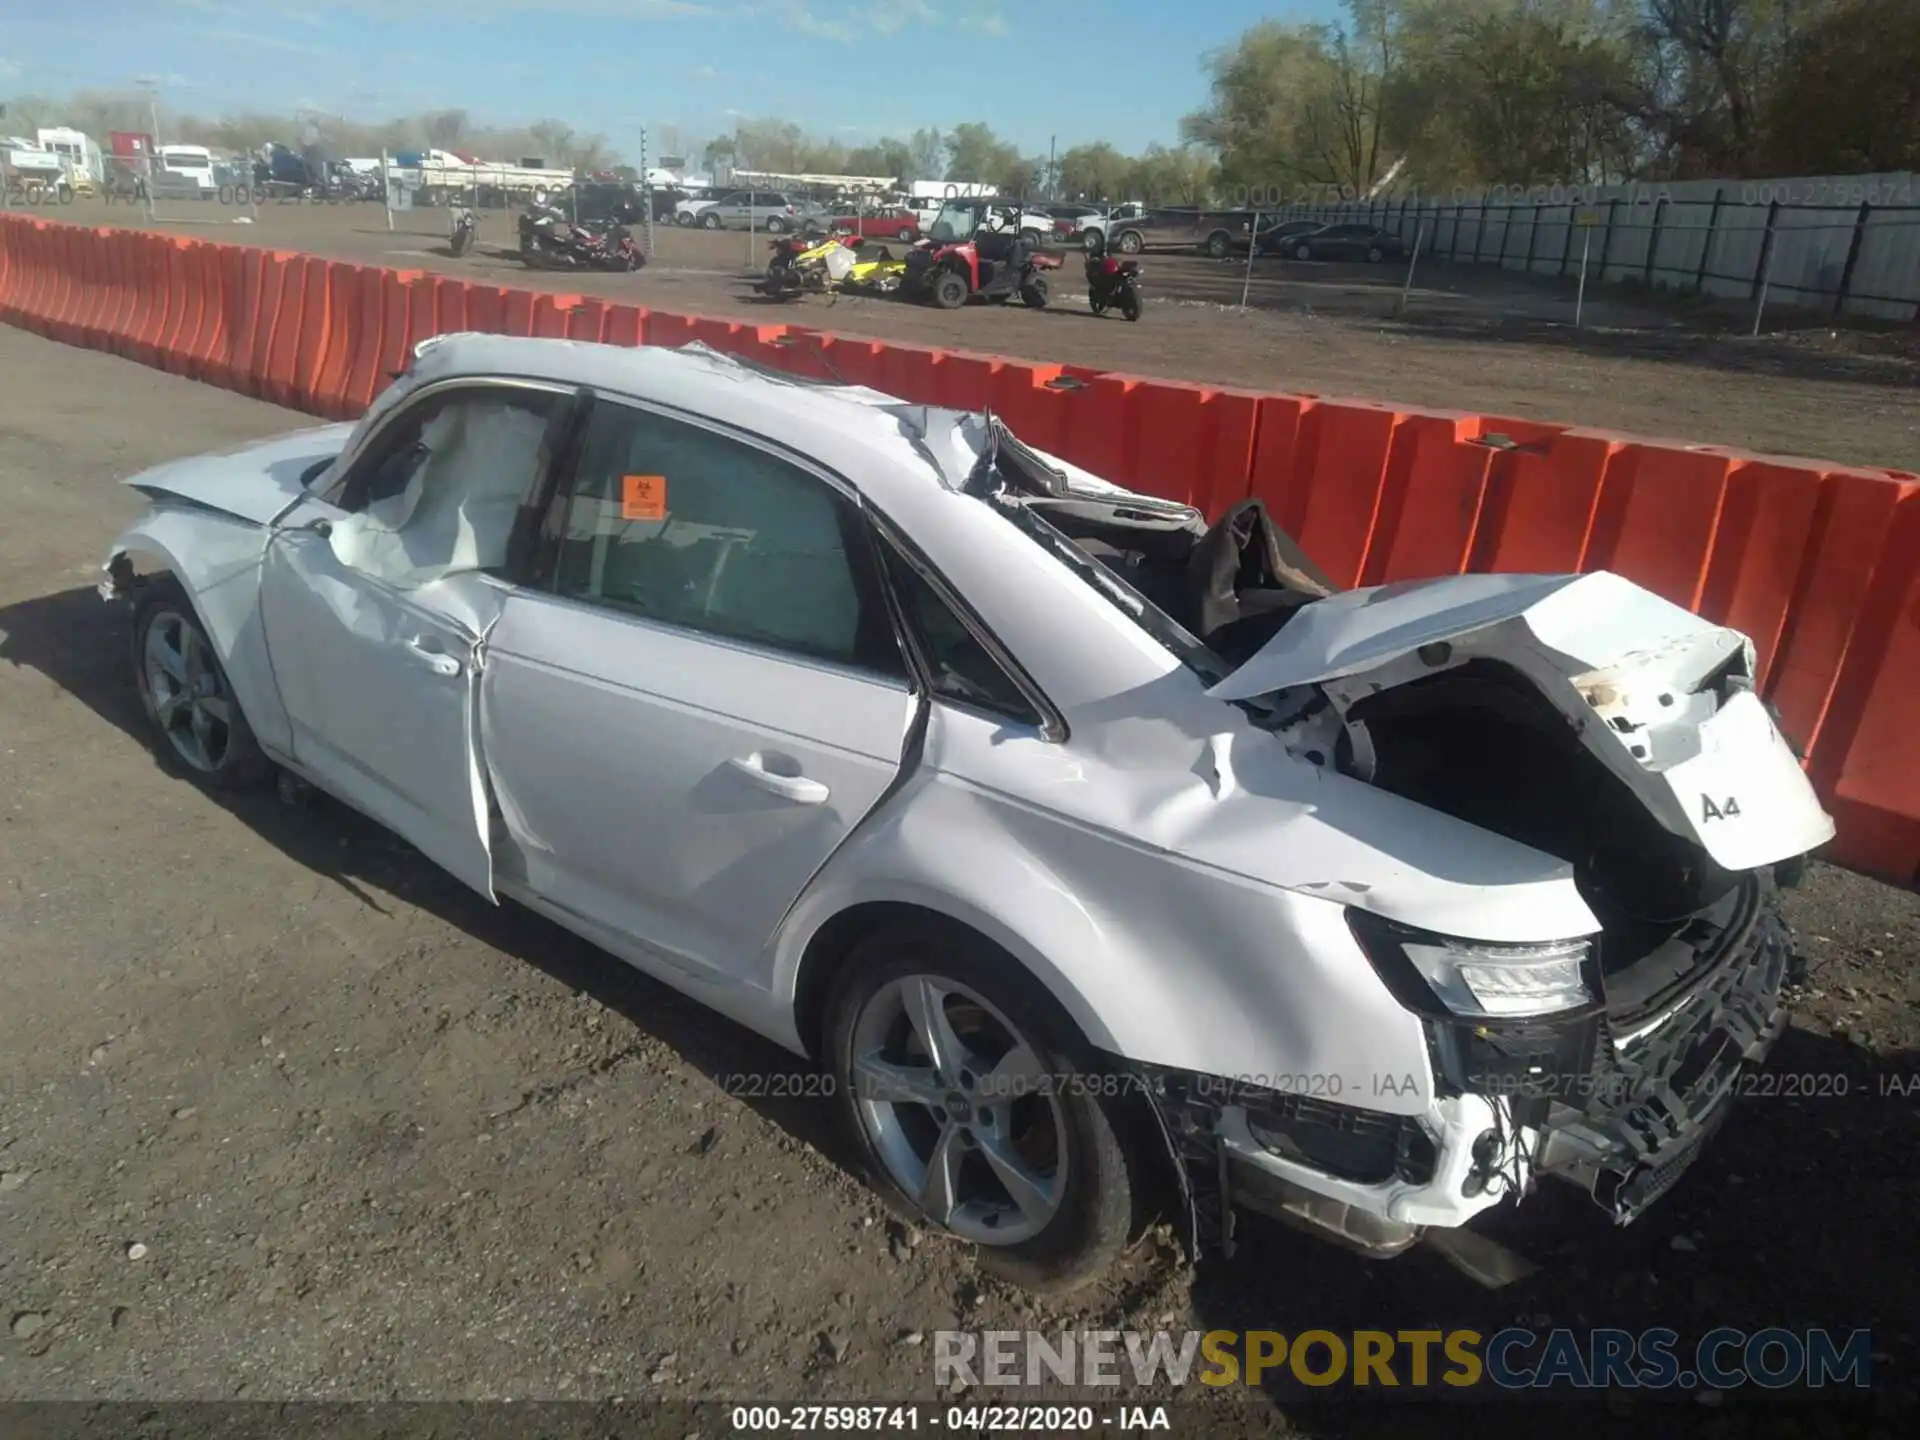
[(346, 285), (1540, 499), (1430, 497), (588, 321), (1854, 513), (625, 325), (1657, 516), (1820, 564), (1867, 756)]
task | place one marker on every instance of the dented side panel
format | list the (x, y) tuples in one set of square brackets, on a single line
[(217, 558)]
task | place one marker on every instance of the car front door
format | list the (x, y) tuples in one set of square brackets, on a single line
[(705, 700), (376, 595)]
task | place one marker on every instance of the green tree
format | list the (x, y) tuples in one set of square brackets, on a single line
[(1849, 100), (976, 156)]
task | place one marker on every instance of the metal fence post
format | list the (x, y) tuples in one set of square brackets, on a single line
[(1566, 250), (1653, 240), (1412, 260), (1533, 236), (1606, 237), (1480, 231), (1706, 245), (1763, 269), (1853, 257), (646, 192), (1765, 276), (1253, 244), (1580, 297)]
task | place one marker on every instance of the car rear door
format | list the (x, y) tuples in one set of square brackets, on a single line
[(699, 698)]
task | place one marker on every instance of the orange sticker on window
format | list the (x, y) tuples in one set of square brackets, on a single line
[(643, 497)]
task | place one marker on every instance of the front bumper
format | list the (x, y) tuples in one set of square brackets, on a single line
[(1622, 1112)]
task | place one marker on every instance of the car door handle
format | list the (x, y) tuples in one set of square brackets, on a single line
[(438, 661), (797, 788)]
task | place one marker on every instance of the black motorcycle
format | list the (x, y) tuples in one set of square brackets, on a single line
[(1111, 284), (466, 231), (548, 241)]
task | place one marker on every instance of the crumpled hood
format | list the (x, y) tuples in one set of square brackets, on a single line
[(1639, 679), (255, 480)]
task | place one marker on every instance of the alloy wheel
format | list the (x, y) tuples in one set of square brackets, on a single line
[(954, 1102), (191, 702)]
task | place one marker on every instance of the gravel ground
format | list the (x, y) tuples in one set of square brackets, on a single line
[(284, 1114), (1473, 338)]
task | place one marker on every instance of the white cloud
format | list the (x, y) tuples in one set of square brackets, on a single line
[(703, 72), (990, 24), (8, 69)]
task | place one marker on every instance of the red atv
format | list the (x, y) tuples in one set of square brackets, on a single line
[(967, 254)]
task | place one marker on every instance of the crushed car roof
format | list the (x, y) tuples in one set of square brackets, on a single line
[(846, 427)]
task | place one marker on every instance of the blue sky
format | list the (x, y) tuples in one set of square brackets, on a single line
[(1121, 70)]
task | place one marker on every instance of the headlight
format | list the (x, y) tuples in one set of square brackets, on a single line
[(1505, 980), (1447, 976)]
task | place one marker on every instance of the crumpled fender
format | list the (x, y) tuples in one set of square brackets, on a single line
[(217, 558)]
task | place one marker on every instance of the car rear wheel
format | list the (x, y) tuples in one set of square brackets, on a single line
[(1375, 254), (972, 1121), (1304, 252), (906, 235), (1130, 242), (1217, 245), (198, 725)]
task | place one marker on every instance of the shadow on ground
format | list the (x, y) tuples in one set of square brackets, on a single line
[(1801, 1215)]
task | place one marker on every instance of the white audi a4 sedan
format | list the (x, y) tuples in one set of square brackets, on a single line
[(1099, 858)]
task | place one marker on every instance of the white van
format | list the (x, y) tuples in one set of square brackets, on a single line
[(185, 171)]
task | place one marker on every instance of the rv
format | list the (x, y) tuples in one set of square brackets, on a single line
[(79, 156), (184, 172)]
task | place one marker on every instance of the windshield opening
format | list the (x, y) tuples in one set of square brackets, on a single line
[(1161, 627)]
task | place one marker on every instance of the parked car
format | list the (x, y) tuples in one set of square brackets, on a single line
[(1273, 240), (1080, 843), (768, 210), (1347, 242), (687, 208), (1070, 222), (616, 202), (874, 223)]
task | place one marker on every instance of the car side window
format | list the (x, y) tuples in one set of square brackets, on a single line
[(963, 670), (696, 529), (448, 485)]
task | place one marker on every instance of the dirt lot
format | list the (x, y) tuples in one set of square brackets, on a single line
[(1471, 339), (382, 1141)]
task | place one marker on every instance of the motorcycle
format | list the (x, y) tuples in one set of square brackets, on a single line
[(465, 231), (549, 242), (1111, 283)]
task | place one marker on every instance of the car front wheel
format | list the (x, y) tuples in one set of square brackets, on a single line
[(710, 221), (1375, 255), (974, 1122), (198, 726)]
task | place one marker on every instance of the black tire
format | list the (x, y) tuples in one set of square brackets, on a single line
[(1093, 240), (948, 290), (775, 225), (1031, 238), (1130, 242), (1098, 307), (906, 236), (1033, 294), (1375, 254), (240, 763), (1304, 252), (1104, 1187), (1130, 305), (1217, 245), (710, 221)]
